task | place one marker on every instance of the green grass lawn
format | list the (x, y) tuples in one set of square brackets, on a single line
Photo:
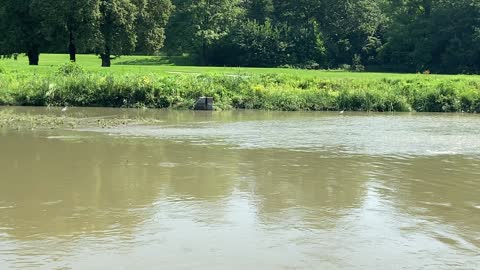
[(162, 65), (166, 82)]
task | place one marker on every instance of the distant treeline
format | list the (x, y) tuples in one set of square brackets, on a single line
[(440, 36)]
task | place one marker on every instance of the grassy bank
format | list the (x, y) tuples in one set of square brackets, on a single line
[(249, 89), (171, 66)]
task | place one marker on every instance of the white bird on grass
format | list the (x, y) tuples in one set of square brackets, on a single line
[(65, 109)]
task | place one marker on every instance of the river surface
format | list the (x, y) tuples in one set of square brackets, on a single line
[(242, 190)]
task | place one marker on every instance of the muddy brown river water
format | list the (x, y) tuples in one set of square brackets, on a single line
[(241, 190)]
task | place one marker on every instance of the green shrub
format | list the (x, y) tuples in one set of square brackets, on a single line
[(70, 69), (267, 92)]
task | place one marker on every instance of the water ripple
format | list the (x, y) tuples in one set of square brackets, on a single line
[(372, 135)]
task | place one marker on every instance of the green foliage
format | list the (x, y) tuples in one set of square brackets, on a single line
[(357, 63), (257, 45), (108, 27), (75, 21), (440, 36), (199, 24), (150, 25), (70, 84), (21, 28), (259, 10), (70, 69), (117, 26), (387, 35), (307, 33)]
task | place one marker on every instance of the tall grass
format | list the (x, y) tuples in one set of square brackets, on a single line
[(76, 87)]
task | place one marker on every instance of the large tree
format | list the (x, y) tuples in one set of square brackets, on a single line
[(152, 18), (436, 35), (352, 28), (305, 37), (32, 26), (21, 28), (117, 29), (108, 27), (72, 24), (126, 25), (200, 24)]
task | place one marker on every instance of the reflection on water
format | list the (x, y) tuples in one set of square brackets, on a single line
[(239, 190)]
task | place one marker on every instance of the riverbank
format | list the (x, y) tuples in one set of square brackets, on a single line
[(265, 92), (75, 85)]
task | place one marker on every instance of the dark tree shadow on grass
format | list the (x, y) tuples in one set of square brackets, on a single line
[(157, 61)]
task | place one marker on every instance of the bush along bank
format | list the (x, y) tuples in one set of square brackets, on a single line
[(265, 92)]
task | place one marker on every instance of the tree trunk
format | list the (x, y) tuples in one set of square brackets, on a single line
[(72, 50), (204, 54), (33, 56), (106, 58)]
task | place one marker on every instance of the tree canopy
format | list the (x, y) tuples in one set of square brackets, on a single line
[(106, 27), (440, 36), (394, 35)]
